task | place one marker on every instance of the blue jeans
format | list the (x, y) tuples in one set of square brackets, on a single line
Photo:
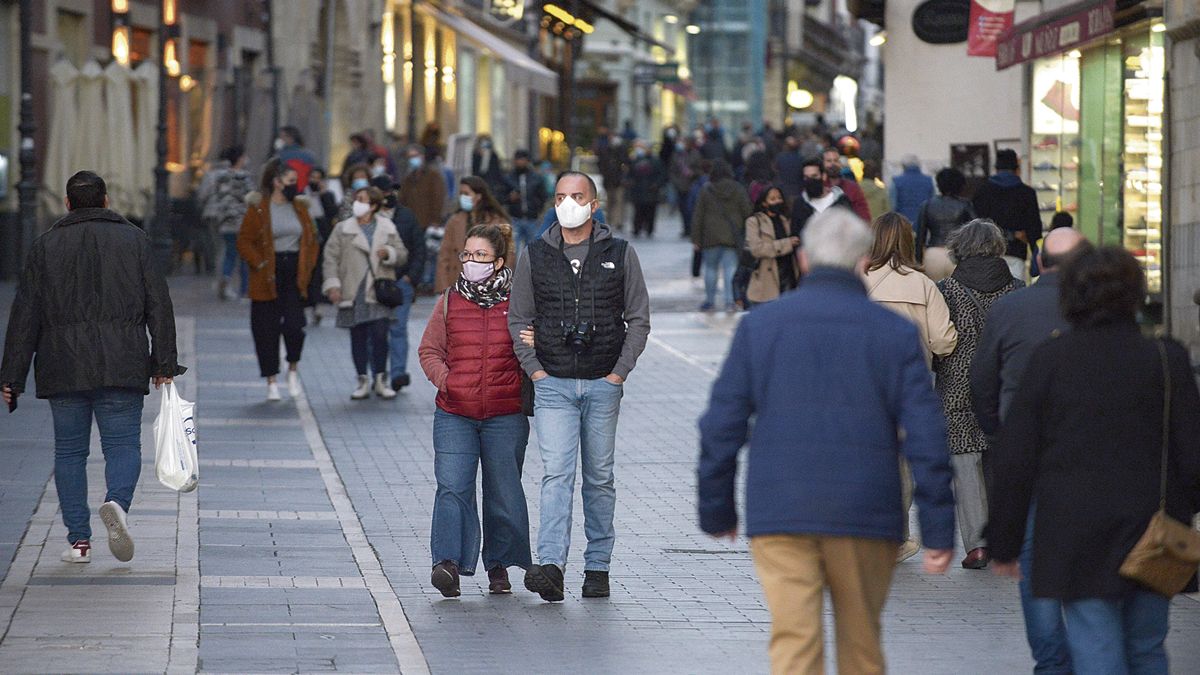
[(118, 413), (727, 259), (460, 445), (526, 230), (398, 332), (1044, 628), (577, 418), (231, 261), (1119, 636)]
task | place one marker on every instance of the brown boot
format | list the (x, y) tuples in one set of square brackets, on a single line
[(498, 581)]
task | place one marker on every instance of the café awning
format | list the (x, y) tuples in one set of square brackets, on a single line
[(1055, 32), (519, 67)]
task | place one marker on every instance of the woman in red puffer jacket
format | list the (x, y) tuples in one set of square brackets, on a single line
[(468, 355)]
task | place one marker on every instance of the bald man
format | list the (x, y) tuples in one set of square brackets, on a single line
[(1016, 325)]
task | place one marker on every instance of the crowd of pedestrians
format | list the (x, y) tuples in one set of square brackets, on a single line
[(893, 355)]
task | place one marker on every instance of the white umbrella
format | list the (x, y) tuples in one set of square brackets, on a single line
[(58, 167), (145, 136), (118, 157), (90, 127)]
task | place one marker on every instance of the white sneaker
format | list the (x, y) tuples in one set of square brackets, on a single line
[(907, 550), (80, 552), (273, 392), (382, 390), (293, 383), (363, 390), (119, 541)]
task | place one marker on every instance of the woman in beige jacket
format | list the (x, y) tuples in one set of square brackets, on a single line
[(770, 240), (894, 280)]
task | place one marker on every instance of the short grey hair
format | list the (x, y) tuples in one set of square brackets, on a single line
[(910, 160), (836, 238), (979, 238)]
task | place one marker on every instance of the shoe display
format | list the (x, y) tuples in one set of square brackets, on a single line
[(595, 584), (498, 582), (273, 392), (119, 541), (445, 578), (382, 390), (976, 559), (363, 390), (80, 552), (293, 380), (1045, 166), (546, 581)]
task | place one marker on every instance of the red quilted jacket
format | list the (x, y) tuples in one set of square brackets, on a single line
[(484, 378)]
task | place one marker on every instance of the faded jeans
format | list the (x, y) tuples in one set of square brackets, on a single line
[(577, 418), (398, 331), (1044, 627), (725, 258), (1119, 636), (118, 414)]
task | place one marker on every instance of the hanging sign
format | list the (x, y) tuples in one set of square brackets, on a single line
[(1056, 32), (989, 19)]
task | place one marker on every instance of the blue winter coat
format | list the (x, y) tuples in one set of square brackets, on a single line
[(829, 378), (909, 191)]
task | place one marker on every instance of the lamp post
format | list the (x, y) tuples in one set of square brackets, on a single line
[(160, 225), (27, 188), (269, 20)]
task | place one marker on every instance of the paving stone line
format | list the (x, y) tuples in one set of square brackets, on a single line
[(269, 515), (185, 616)]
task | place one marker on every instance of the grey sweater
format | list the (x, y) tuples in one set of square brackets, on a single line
[(522, 308)]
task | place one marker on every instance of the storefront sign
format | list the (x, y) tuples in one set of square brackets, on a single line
[(942, 22), (989, 20), (650, 73), (1055, 32)]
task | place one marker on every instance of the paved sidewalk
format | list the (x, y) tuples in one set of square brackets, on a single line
[(306, 548)]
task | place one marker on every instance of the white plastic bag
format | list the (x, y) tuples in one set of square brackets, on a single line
[(175, 459)]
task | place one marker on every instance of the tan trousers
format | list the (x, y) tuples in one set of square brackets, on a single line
[(795, 570)]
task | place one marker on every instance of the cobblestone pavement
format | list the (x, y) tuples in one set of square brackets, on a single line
[(306, 546)]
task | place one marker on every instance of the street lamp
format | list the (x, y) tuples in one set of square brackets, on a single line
[(120, 31), (27, 188), (160, 226)]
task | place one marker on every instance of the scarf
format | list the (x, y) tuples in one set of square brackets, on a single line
[(489, 292)]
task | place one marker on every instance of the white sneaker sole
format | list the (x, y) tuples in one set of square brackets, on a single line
[(68, 556), (119, 541)]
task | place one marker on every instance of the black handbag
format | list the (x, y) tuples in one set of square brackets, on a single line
[(387, 293)]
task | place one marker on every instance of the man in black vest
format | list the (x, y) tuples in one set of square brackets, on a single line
[(583, 292)]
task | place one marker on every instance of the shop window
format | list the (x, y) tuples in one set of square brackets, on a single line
[(141, 46), (1055, 110), (1141, 185)]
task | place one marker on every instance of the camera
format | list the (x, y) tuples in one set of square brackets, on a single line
[(578, 336)]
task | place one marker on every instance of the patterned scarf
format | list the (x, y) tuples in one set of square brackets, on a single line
[(489, 292)]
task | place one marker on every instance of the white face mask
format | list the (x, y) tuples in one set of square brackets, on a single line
[(278, 143), (571, 214), (361, 209)]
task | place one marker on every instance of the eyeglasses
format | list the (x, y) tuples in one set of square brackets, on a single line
[(476, 256)]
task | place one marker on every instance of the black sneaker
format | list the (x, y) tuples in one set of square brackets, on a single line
[(546, 581), (401, 381), (445, 578), (595, 584)]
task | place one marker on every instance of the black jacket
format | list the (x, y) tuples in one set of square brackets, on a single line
[(531, 196), (89, 293), (1082, 439), (939, 217), (413, 236), (802, 210), (1016, 324), (1013, 206)]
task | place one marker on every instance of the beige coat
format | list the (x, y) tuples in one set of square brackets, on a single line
[(761, 241), (914, 296), (349, 258)]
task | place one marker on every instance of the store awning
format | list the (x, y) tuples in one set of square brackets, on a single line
[(520, 68), (1055, 32)]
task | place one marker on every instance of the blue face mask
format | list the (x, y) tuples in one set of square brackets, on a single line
[(359, 184), (414, 162)]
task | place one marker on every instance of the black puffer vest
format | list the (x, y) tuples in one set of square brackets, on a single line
[(563, 298)]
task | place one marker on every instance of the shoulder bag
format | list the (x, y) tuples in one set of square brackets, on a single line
[(1168, 553)]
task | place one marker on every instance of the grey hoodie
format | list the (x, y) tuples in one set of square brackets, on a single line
[(522, 308)]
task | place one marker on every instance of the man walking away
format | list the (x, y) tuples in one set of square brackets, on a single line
[(1013, 206), (89, 293), (910, 189), (526, 197), (583, 292), (718, 231), (838, 391), (1016, 325)]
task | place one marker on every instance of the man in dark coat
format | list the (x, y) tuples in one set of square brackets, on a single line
[(407, 277), (1017, 323), (1013, 206), (831, 159), (89, 293), (829, 378), (644, 184)]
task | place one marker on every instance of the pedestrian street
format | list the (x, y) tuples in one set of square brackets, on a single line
[(306, 546)]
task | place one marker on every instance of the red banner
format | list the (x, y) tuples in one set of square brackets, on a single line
[(989, 19), (1056, 32)]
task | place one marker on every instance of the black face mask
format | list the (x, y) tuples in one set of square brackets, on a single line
[(814, 187), (774, 209), (290, 192)]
